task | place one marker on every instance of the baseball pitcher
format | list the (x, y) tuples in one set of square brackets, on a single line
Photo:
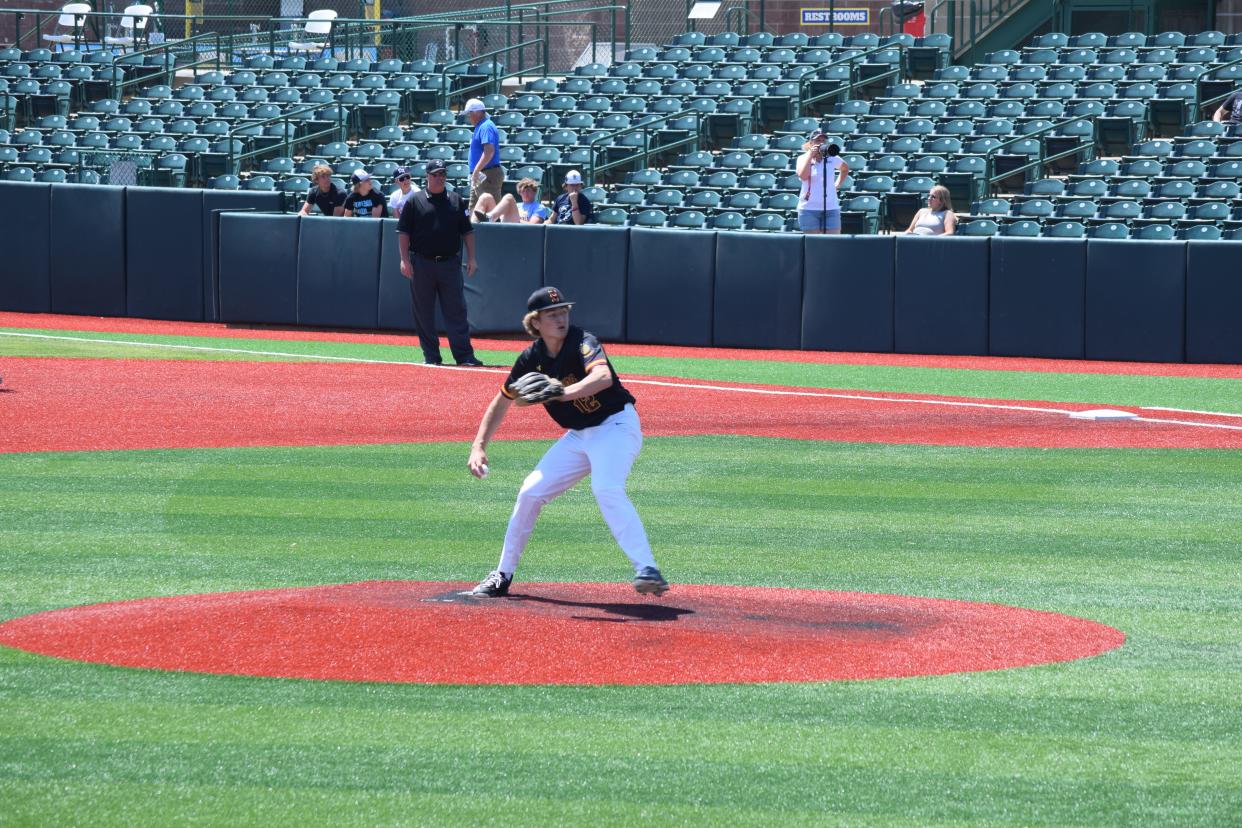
[(566, 371)]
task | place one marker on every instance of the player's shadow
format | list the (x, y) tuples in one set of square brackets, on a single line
[(642, 612)]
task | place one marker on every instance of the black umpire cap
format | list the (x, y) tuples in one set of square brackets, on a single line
[(546, 299)]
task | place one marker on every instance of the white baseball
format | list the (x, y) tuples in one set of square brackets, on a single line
[(483, 471)]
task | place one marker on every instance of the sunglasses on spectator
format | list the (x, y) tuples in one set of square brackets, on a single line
[(403, 178), (440, 174)]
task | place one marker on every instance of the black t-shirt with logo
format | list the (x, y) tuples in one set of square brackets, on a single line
[(326, 202), (580, 353), (565, 210), (362, 205), (1233, 106)]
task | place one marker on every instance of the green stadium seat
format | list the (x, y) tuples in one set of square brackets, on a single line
[(1154, 232), (1119, 211), (1199, 232), (628, 196), (978, 227), (649, 218), (705, 200), (766, 222), (727, 220), (1034, 208), (1064, 230), (1185, 168), (1024, 228), (720, 179), (1045, 187), (1220, 189), (743, 201), (1134, 188), (1166, 40), (688, 220), (1109, 230), (890, 163), (1226, 169), (910, 144)]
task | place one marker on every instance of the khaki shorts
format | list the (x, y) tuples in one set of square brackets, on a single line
[(493, 181)]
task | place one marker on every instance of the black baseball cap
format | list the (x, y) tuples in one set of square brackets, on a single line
[(436, 165), (816, 133), (546, 299)]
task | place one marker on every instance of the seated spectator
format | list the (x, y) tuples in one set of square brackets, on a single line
[(323, 194), (406, 189), (526, 211), (1230, 111), (365, 201), (937, 218), (571, 206)]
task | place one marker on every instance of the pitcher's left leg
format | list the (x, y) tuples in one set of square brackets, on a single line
[(612, 448)]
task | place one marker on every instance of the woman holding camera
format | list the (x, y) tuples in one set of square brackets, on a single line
[(818, 208)]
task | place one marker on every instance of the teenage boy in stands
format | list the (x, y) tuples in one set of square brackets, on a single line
[(325, 195)]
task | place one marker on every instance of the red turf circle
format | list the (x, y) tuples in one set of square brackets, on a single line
[(584, 634)]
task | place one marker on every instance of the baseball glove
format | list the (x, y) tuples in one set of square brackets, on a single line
[(536, 388)]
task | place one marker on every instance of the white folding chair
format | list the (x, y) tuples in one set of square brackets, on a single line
[(318, 27), (73, 18), (135, 24)]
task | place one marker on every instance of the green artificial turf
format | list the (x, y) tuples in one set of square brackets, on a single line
[(1196, 393), (1143, 540)]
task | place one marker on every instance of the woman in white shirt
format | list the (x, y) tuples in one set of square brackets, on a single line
[(937, 218), (819, 211)]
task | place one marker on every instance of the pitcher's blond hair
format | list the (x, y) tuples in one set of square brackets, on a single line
[(528, 322)]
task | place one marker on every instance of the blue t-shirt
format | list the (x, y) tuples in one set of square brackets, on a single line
[(484, 133), (533, 210)]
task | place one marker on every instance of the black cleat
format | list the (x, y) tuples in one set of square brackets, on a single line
[(470, 363), (496, 585), (649, 581)]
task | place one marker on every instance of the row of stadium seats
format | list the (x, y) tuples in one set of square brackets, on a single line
[(901, 142)]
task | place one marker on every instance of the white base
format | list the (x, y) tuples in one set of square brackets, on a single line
[(1103, 414)]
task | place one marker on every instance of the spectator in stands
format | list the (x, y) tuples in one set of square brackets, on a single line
[(406, 188), (937, 218), (325, 195), (819, 210), (526, 211), (431, 231), (486, 176), (365, 201), (1230, 111), (571, 206)]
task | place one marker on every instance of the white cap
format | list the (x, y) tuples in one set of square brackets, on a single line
[(573, 177), (474, 105), (361, 175)]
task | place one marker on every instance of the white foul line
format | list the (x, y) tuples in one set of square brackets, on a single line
[(632, 381), (1189, 411)]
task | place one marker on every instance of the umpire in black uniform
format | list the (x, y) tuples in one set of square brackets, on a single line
[(431, 230)]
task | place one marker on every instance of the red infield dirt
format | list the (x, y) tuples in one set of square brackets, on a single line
[(92, 404), (11, 319), (585, 634)]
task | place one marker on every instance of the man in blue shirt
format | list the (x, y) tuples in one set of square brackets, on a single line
[(486, 176)]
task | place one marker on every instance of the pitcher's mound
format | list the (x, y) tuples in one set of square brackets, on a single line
[(429, 632)]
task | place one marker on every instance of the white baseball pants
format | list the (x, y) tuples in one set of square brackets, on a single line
[(606, 452)]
